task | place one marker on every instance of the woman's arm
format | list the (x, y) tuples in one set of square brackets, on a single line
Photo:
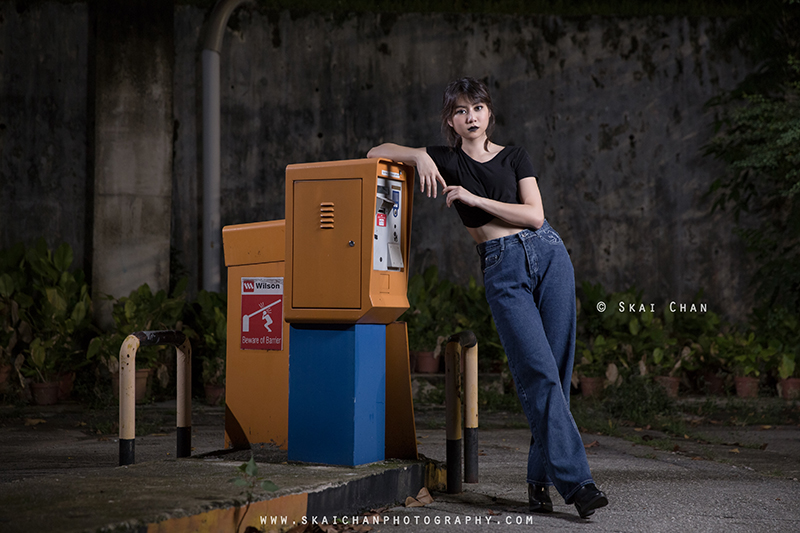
[(528, 214), (418, 157)]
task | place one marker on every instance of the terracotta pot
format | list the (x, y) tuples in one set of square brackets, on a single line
[(746, 387), (789, 388), (427, 363), (714, 384), (5, 371), (142, 375), (45, 393), (670, 385), (214, 394), (592, 387), (65, 385)]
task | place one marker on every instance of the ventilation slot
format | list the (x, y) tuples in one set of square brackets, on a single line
[(326, 215)]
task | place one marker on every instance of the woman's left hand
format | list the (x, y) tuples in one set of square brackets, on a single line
[(457, 192)]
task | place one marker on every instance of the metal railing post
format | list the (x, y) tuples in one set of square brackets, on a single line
[(452, 384), (470, 355), (460, 346), (127, 390)]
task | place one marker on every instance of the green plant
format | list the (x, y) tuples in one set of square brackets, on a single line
[(743, 354), (60, 315), (601, 313), (143, 310), (422, 315), (209, 322), (787, 366), (15, 329), (597, 356), (779, 329), (757, 139), (473, 313), (440, 308), (247, 478)]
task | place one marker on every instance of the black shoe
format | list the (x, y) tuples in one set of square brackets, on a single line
[(589, 498), (539, 499)]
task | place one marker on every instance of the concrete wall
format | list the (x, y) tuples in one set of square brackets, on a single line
[(133, 147), (43, 125), (610, 109)]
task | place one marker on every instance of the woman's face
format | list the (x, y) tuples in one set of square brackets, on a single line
[(470, 120)]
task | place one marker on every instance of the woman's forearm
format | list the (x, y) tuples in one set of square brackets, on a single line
[(396, 152), (520, 215)]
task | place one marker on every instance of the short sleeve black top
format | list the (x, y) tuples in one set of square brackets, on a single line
[(495, 179)]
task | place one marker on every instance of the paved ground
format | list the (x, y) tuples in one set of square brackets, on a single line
[(58, 472)]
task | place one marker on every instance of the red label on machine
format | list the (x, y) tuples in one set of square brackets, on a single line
[(380, 220), (262, 314)]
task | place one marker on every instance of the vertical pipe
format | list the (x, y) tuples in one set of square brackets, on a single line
[(212, 230), (212, 233), (184, 422), (471, 414), (452, 362), (127, 400)]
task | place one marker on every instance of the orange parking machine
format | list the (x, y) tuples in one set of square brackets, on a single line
[(257, 369), (348, 226)]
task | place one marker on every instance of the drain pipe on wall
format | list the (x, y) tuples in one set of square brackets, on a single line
[(212, 230)]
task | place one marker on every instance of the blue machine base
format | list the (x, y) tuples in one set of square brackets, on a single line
[(337, 393)]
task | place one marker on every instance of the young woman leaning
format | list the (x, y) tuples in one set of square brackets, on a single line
[(528, 278)]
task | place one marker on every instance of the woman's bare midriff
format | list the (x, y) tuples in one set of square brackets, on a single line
[(493, 230)]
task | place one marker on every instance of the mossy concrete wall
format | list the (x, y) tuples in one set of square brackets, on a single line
[(610, 109)]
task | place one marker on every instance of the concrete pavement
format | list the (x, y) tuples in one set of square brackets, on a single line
[(58, 472)]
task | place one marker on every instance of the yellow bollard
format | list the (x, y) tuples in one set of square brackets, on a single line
[(464, 346), (127, 390)]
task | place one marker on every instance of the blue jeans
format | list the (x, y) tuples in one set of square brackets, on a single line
[(530, 287)]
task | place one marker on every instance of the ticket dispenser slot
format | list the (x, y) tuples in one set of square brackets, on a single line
[(387, 252), (347, 241)]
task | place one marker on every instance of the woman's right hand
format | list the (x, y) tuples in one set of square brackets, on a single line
[(427, 170), (429, 175)]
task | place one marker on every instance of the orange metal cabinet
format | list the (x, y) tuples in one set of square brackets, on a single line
[(257, 375), (348, 225)]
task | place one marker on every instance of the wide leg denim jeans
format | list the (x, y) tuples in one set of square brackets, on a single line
[(530, 287)]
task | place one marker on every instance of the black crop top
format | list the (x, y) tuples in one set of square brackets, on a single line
[(495, 179)]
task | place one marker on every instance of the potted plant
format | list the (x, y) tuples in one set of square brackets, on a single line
[(41, 368), (779, 329), (663, 356), (789, 375), (429, 303), (210, 325), (745, 357), (709, 364), (60, 317), (214, 379), (594, 364), (16, 300), (699, 331), (15, 331), (142, 310)]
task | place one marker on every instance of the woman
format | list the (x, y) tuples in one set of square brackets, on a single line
[(528, 279)]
